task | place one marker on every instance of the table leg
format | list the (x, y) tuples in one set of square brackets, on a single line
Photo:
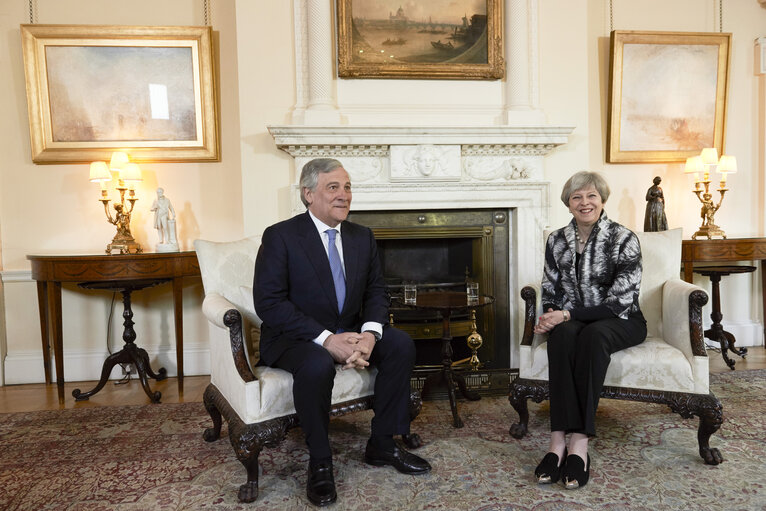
[(447, 369), (689, 272), (468, 394), (178, 314), (42, 304), (456, 420), (56, 334), (763, 293)]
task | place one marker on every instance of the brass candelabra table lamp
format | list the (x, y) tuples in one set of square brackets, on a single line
[(704, 164), (128, 175)]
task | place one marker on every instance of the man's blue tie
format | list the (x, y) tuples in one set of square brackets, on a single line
[(337, 270)]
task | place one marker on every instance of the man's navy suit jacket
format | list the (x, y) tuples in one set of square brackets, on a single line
[(293, 288)]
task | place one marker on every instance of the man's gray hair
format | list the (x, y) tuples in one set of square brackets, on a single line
[(584, 179), (311, 171)]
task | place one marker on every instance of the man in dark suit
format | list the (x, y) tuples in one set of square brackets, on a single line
[(319, 290)]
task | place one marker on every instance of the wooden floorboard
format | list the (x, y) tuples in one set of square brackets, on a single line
[(38, 396)]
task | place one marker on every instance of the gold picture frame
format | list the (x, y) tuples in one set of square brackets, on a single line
[(94, 89), (457, 44), (667, 95)]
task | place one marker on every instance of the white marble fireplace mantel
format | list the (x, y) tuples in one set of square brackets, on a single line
[(546, 137), (444, 167)]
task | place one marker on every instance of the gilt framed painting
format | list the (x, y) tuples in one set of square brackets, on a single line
[(428, 39), (667, 95), (149, 91)]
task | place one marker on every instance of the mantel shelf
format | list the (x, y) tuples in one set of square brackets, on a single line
[(302, 135)]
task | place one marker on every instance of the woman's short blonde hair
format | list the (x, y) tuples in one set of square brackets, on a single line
[(584, 179)]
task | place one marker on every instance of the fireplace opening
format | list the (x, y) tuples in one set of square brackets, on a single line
[(439, 250), (437, 260)]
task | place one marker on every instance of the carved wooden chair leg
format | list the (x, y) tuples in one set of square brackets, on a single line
[(413, 440), (518, 400), (214, 433), (711, 418), (247, 445)]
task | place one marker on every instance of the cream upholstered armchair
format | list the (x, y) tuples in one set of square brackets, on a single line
[(256, 400), (670, 367)]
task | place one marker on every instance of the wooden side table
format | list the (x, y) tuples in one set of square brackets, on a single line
[(51, 270), (446, 303), (723, 251)]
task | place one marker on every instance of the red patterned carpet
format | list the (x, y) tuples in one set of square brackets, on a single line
[(153, 458)]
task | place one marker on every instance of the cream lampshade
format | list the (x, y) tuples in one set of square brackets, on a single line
[(727, 165), (709, 156), (694, 166), (99, 172), (119, 160), (130, 173)]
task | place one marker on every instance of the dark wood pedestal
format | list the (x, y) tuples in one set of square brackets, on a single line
[(716, 332), (130, 353)]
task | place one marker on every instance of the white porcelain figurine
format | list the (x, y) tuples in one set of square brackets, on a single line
[(165, 222)]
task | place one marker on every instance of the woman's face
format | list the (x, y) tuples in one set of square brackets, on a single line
[(585, 205)]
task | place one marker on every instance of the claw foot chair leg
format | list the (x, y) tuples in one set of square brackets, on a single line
[(711, 418), (519, 429), (214, 433), (413, 440), (247, 451), (521, 391)]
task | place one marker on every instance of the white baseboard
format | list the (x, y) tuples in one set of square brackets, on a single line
[(746, 333), (27, 367)]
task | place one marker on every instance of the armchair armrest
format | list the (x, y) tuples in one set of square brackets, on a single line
[(215, 307), (682, 304), (222, 313), (529, 338), (529, 295)]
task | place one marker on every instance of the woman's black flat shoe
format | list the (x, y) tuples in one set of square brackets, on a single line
[(549, 470), (576, 474)]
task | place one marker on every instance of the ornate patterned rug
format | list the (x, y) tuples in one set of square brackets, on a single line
[(153, 457)]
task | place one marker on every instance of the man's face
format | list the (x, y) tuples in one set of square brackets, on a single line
[(331, 199)]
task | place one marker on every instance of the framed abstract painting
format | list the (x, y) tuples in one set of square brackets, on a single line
[(667, 95), (93, 89)]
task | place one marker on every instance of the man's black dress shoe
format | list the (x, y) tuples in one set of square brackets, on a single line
[(403, 461), (320, 484)]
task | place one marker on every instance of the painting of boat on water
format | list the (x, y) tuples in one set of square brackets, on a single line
[(420, 39)]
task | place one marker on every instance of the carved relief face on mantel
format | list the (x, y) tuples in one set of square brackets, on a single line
[(425, 162)]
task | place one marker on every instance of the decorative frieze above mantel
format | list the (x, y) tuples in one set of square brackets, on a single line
[(454, 155), (416, 154)]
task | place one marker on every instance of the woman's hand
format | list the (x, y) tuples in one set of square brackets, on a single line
[(548, 320)]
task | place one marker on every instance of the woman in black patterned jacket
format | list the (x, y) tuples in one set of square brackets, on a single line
[(590, 301)]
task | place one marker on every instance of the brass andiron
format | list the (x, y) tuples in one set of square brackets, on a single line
[(128, 173), (474, 341)]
